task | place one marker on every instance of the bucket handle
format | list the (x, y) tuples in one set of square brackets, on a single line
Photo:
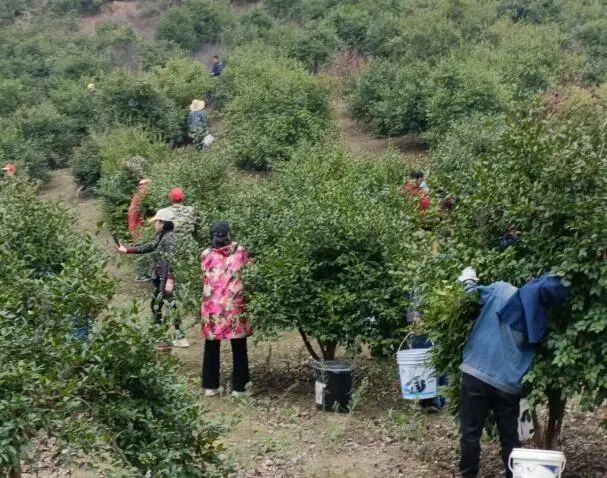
[(404, 340)]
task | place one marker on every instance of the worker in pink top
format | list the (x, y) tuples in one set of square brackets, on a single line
[(223, 310)]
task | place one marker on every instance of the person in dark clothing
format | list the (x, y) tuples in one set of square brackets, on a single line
[(161, 248), (217, 66), (497, 355)]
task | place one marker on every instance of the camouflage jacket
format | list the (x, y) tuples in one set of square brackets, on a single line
[(185, 219)]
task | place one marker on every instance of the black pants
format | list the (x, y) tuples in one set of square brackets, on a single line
[(158, 301), (477, 400), (210, 364)]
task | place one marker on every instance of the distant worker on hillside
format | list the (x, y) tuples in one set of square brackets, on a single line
[(9, 169), (217, 66), (416, 187), (91, 89), (198, 124)]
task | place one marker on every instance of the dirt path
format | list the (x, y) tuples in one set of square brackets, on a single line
[(87, 212), (360, 141)]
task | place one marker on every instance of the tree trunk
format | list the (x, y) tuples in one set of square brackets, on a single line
[(328, 350), (547, 435), (556, 413), (538, 430), (15, 472)]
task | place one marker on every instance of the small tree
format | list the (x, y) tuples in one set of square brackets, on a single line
[(136, 101), (326, 234), (542, 176), (193, 23), (462, 88), (275, 107), (316, 45), (126, 156), (391, 98)]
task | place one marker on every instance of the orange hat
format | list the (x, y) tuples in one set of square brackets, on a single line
[(176, 195)]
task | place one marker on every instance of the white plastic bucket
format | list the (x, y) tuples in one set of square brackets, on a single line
[(530, 463), (417, 378)]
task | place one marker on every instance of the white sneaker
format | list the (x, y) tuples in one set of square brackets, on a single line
[(236, 394), (183, 343), (213, 392)]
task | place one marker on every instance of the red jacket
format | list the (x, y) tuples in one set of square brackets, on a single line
[(415, 191), (135, 219)]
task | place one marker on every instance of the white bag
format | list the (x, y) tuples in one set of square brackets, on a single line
[(208, 140), (525, 421)]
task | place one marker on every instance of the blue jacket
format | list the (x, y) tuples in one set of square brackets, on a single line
[(217, 68), (198, 120), (526, 309), (495, 353)]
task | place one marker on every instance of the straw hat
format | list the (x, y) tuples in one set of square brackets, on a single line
[(197, 105), (164, 215), (91, 87)]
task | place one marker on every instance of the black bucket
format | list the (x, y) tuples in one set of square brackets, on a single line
[(333, 384)]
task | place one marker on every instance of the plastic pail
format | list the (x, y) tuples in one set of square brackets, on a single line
[(333, 384), (417, 378), (530, 463)]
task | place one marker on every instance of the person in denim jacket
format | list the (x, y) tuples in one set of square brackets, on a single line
[(498, 353)]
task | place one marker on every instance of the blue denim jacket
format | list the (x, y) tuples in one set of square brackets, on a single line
[(496, 353)]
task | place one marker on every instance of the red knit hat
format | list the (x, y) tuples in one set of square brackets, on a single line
[(176, 195)]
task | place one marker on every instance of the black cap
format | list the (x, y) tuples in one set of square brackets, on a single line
[(220, 229)]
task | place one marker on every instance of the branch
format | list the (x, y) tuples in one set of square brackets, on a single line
[(308, 345)]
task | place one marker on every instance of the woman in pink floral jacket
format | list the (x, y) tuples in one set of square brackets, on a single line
[(223, 310)]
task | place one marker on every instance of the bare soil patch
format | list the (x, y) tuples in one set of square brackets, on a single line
[(359, 141), (141, 16)]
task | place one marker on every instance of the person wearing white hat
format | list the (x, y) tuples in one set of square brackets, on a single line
[(198, 123), (162, 248), (91, 88)]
